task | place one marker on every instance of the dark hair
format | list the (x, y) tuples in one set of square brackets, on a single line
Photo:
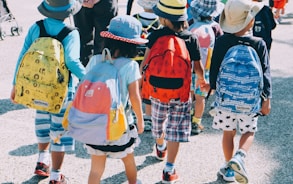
[(125, 49), (179, 25)]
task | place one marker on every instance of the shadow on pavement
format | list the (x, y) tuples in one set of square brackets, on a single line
[(275, 131), (7, 105)]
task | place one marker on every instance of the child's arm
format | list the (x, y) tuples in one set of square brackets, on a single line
[(136, 104), (201, 82), (266, 107)]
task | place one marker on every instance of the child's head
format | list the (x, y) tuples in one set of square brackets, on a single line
[(172, 13), (147, 5), (238, 15), (206, 9), (123, 36), (59, 9)]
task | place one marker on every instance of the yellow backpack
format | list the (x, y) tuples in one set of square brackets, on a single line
[(42, 77)]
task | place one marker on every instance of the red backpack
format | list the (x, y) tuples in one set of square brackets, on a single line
[(167, 70)]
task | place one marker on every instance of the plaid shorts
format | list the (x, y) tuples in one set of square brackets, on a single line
[(173, 119)]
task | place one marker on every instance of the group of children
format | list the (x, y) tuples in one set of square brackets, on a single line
[(170, 122)]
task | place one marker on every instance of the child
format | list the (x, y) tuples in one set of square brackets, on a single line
[(150, 22), (237, 20), (171, 121), (264, 24), (279, 5), (148, 19), (121, 39), (203, 12), (47, 124)]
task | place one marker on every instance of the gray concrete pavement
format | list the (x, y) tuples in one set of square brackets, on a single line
[(269, 160)]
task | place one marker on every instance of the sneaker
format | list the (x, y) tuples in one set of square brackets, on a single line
[(195, 129), (42, 169), (63, 180), (161, 154), (237, 165), (169, 177), (147, 124), (227, 174)]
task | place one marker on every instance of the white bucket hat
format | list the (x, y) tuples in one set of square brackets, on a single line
[(237, 14)]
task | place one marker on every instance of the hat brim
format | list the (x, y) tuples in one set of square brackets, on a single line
[(137, 41), (198, 11), (235, 28), (178, 18), (145, 5), (61, 15)]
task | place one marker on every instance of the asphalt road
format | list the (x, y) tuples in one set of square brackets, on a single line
[(269, 161)]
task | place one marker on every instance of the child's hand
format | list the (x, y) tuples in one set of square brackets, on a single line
[(140, 127), (266, 107), (12, 95), (204, 86)]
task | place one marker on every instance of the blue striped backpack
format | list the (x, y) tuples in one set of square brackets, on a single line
[(240, 81)]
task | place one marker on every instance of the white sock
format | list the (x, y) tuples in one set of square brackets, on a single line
[(162, 147), (148, 117), (241, 152), (55, 175), (44, 157)]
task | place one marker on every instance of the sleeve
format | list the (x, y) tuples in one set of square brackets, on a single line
[(72, 53), (270, 18), (33, 33), (193, 48), (152, 39), (217, 57), (264, 59), (135, 74)]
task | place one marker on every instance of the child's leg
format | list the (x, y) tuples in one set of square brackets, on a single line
[(130, 168), (147, 117), (228, 144), (172, 148), (277, 13), (97, 169), (199, 110), (246, 141), (247, 127)]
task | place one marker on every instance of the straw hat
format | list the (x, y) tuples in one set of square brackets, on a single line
[(174, 10)]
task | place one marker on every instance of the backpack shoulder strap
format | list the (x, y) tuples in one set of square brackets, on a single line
[(64, 32), (43, 32), (61, 35)]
